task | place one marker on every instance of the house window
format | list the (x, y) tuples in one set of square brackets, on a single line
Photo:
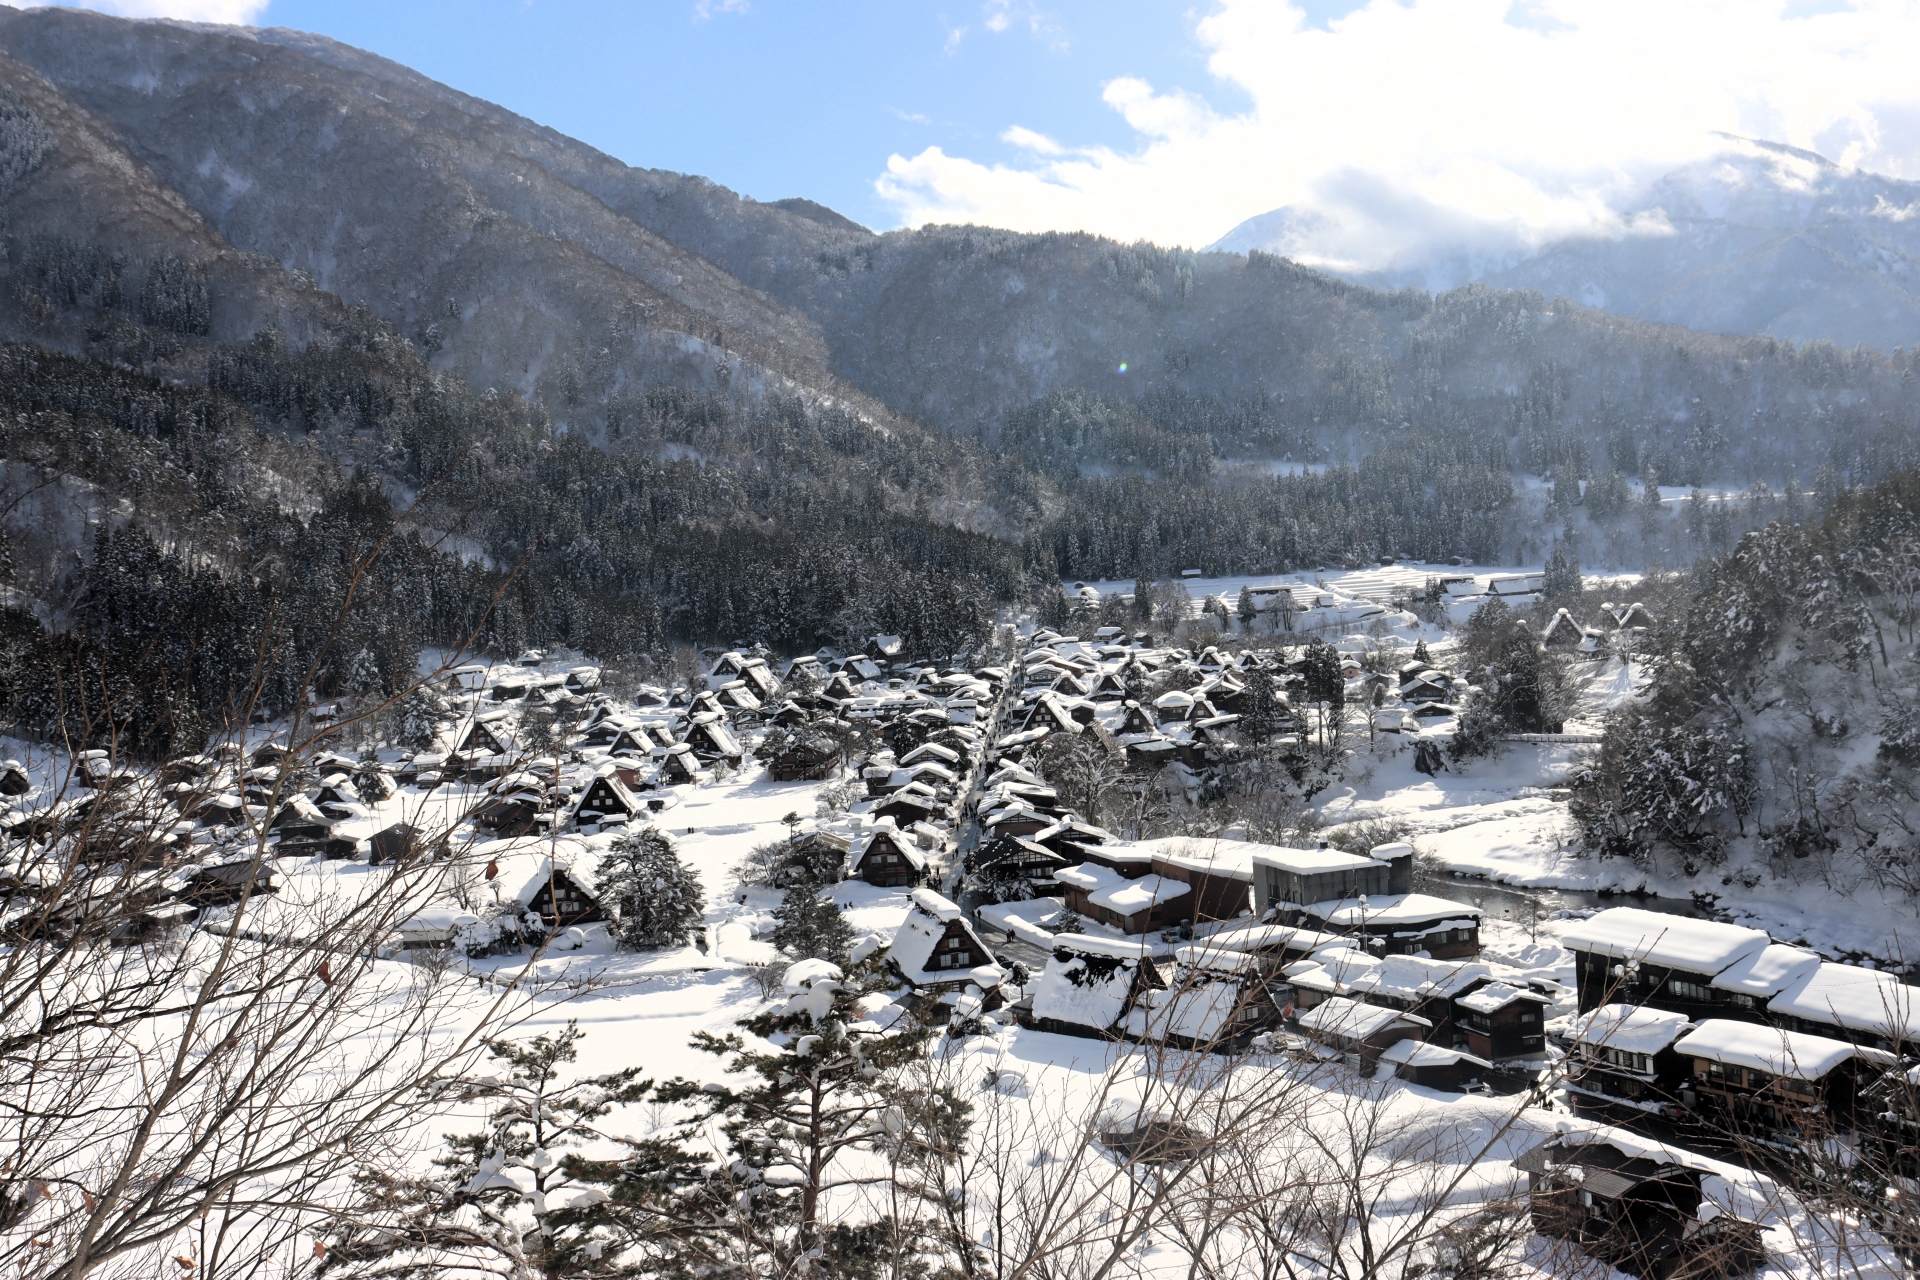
[(1533, 1016), (1689, 990), (954, 944)]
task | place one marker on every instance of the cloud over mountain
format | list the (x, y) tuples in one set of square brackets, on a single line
[(1404, 127)]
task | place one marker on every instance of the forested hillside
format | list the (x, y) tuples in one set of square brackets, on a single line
[(1780, 737), (263, 290)]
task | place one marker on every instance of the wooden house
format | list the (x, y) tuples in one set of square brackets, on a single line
[(736, 699), (634, 739), (509, 815), (1089, 986), (1400, 924), (225, 883), (1562, 633), (937, 951), (1629, 956), (1360, 1032), (1867, 1007), (484, 738), (300, 819), (711, 740), (557, 887), (807, 758), (1621, 1058), (1009, 860), (679, 764), (1132, 905), (606, 797), (1428, 988), (728, 667), (402, 843), (1432, 1067), (887, 857), (1502, 1022), (1745, 1080), (1635, 1206), (906, 807)]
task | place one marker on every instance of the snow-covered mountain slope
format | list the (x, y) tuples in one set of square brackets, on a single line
[(1758, 238)]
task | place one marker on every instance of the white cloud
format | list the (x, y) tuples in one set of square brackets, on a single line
[(705, 9), (1498, 121), (232, 12), (999, 16)]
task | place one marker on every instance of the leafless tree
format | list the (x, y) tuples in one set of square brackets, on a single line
[(192, 1064)]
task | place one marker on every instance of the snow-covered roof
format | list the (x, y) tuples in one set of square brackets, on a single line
[(1629, 1028), (1339, 1016), (1767, 971), (1201, 1011), (1496, 996), (1094, 944), (1412, 977), (936, 905), (1211, 959), (1309, 862), (1068, 991), (897, 840), (1132, 896), (1763, 1048), (915, 941), (1855, 998), (1698, 946), (1090, 877), (1214, 857), (1261, 937), (1395, 908), (524, 867), (1418, 1053)]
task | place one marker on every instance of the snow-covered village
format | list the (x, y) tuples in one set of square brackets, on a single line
[(729, 640), (1182, 932)]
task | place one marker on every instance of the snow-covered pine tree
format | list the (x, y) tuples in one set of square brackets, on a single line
[(812, 928), (657, 900), (516, 1198), (421, 712), (1320, 664), (1561, 581), (1246, 607), (1261, 716), (1420, 654), (834, 1108)]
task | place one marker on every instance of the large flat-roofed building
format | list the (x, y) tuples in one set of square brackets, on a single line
[(1629, 956), (1295, 877)]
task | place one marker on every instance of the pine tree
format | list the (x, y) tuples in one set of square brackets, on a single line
[(1651, 513), (657, 900), (1246, 608), (812, 927), (828, 1106), (1262, 716), (1420, 654), (421, 712), (1561, 582), (517, 1198), (1320, 665)]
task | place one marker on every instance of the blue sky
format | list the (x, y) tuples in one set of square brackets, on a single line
[(1385, 132), (789, 97)]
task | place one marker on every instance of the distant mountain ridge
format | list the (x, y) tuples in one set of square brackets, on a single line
[(1759, 238), (300, 191)]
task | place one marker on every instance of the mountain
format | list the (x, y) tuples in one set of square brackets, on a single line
[(1758, 238), (413, 279)]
